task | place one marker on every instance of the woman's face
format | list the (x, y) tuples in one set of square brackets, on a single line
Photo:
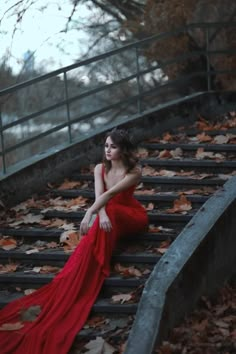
[(112, 151)]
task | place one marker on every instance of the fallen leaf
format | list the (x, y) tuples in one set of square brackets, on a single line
[(221, 139), (77, 202), (30, 314), (49, 269), (8, 268), (165, 154), (70, 239), (128, 271), (11, 326), (148, 171), (180, 205), (177, 153), (52, 244), (28, 219), (33, 250), (167, 173), (69, 184), (36, 269), (163, 247), (29, 291), (8, 243), (167, 137), (95, 321), (121, 298), (203, 137), (99, 346)]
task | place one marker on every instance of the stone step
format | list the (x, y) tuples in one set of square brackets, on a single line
[(33, 234), (190, 163), (58, 258), (100, 306), (190, 147), (155, 197), (158, 180), (30, 279), (78, 215)]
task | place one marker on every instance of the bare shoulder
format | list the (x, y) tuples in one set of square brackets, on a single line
[(98, 168), (137, 170)]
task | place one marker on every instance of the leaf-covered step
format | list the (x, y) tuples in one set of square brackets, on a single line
[(190, 147), (58, 258), (33, 234), (100, 306), (176, 180), (151, 197), (78, 215), (31, 279), (190, 163), (212, 132)]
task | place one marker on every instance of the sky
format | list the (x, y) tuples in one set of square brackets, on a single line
[(40, 32)]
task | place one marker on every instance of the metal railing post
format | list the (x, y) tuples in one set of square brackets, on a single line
[(2, 144), (208, 60), (67, 107), (138, 80)]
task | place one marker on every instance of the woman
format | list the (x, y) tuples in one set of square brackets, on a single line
[(65, 303)]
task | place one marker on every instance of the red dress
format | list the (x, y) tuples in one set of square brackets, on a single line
[(67, 301)]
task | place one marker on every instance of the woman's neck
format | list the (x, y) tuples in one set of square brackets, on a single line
[(117, 165)]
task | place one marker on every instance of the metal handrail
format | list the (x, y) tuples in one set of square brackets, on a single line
[(138, 97)]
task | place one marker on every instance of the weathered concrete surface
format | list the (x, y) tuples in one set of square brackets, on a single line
[(56, 165), (198, 262)]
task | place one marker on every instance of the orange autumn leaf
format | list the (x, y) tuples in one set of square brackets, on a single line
[(79, 202), (95, 321), (8, 268), (181, 204), (203, 124), (8, 243), (69, 184), (128, 271), (165, 154), (203, 137), (163, 247), (167, 137), (49, 269), (70, 239)]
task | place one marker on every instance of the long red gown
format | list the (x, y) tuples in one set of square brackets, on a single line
[(67, 301)]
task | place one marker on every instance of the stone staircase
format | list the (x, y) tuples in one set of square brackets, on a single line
[(181, 171)]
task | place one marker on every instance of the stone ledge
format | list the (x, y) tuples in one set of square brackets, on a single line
[(198, 262)]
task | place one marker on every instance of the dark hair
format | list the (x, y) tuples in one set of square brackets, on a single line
[(122, 139)]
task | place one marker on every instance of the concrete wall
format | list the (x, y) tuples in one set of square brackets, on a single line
[(198, 262)]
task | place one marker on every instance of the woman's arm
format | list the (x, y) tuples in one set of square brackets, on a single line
[(129, 180), (104, 221)]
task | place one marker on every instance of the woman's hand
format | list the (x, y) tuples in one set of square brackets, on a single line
[(104, 221), (84, 225)]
